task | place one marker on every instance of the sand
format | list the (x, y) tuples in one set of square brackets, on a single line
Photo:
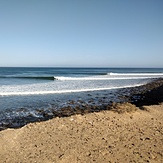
[(101, 137)]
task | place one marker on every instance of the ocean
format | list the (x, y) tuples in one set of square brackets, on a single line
[(23, 91)]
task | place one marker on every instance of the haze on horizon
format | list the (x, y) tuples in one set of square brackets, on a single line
[(83, 33)]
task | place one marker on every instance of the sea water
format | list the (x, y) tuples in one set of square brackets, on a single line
[(31, 88)]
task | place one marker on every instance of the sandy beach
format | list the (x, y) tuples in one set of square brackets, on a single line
[(105, 136)]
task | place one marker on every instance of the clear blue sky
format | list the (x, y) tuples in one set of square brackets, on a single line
[(81, 33)]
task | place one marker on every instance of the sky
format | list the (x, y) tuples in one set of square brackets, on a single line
[(81, 33)]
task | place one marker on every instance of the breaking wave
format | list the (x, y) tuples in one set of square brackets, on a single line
[(64, 91), (107, 77), (135, 74), (101, 76)]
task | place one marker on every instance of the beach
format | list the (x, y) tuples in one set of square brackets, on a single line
[(124, 132), (81, 81), (105, 136)]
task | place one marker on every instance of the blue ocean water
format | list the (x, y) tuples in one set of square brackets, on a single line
[(29, 89)]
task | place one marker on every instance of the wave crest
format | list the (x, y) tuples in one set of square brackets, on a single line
[(134, 74)]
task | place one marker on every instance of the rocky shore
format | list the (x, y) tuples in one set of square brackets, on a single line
[(130, 131), (149, 94)]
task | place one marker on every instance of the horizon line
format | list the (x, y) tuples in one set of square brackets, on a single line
[(74, 67)]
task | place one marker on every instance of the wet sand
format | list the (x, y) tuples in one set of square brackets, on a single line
[(105, 136)]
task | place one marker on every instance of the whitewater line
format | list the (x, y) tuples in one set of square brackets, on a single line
[(135, 74), (106, 78), (63, 91)]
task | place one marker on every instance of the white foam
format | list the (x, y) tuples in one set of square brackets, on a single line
[(135, 74), (63, 91), (107, 77)]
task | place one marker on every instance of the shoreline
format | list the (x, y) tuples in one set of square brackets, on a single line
[(121, 132), (148, 94)]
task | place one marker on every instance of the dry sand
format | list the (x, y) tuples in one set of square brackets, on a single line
[(100, 137)]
